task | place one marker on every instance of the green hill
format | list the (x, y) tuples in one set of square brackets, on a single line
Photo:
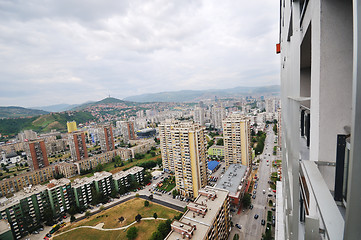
[(43, 123), (108, 100), (16, 112)]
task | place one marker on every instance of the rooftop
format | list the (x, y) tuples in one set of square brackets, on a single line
[(58, 182), (201, 222), (100, 175), (78, 182), (233, 178), (15, 199), (4, 226)]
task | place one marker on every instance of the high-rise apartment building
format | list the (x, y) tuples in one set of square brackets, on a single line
[(207, 218), (106, 138), (77, 145), (166, 146), (218, 114), (71, 126), (321, 113), (126, 129), (36, 154), (199, 116), (236, 140), (189, 156)]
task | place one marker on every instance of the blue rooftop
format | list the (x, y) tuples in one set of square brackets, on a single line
[(212, 165)]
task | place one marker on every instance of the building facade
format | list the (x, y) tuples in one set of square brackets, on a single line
[(71, 126), (237, 140), (190, 158), (320, 124), (106, 138), (77, 145), (36, 154)]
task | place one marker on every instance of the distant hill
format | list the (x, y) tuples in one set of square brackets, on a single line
[(16, 112), (57, 108), (108, 100), (43, 123), (197, 95)]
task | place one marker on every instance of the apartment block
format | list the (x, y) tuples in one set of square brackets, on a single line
[(36, 154), (237, 140), (24, 211), (5, 230), (106, 138), (126, 129), (166, 145), (189, 148), (218, 114), (320, 124), (77, 145), (11, 185), (124, 178), (207, 218), (82, 192), (199, 116), (60, 195), (103, 182)]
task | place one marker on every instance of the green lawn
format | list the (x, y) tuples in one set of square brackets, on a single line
[(168, 184), (145, 230), (128, 211)]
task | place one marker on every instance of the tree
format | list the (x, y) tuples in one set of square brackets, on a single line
[(48, 216), (72, 218), (156, 236), (99, 168), (155, 215), (236, 236), (164, 228), (121, 219), (220, 142), (87, 213), (138, 217), (275, 128), (101, 208), (246, 200), (146, 203), (152, 153), (132, 233), (73, 210)]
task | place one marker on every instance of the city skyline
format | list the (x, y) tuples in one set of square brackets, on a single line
[(54, 52)]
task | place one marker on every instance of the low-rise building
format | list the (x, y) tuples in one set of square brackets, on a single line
[(217, 151), (234, 180), (208, 217)]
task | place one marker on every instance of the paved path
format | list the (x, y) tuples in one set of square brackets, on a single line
[(100, 226)]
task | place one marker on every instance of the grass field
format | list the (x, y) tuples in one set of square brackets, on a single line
[(145, 229), (110, 218)]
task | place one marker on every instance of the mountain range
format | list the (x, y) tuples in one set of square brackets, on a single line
[(198, 95)]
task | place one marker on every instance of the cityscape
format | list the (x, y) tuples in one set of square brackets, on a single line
[(154, 148)]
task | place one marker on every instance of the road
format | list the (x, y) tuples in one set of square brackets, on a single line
[(251, 227)]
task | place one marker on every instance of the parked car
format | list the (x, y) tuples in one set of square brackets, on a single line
[(256, 216), (254, 196), (273, 209), (251, 207), (238, 226), (263, 222)]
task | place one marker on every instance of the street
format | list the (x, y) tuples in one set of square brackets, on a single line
[(251, 227)]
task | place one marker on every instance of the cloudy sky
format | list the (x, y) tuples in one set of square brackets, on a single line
[(73, 51)]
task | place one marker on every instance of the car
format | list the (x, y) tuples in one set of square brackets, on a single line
[(263, 222), (254, 192), (255, 187), (232, 210), (48, 235), (273, 218), (273, 209), (238, 226), (264, 191), (273, 222), (254, 196), (251, 207), (256, 216)]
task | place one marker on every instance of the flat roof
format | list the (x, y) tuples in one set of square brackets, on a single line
[(25, 193), (78, 182), (212, 165), (100, 175), (57, 182), (202, 224), (232, 178), (4, 226)]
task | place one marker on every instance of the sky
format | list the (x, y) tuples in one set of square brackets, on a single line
[(73, 51)]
